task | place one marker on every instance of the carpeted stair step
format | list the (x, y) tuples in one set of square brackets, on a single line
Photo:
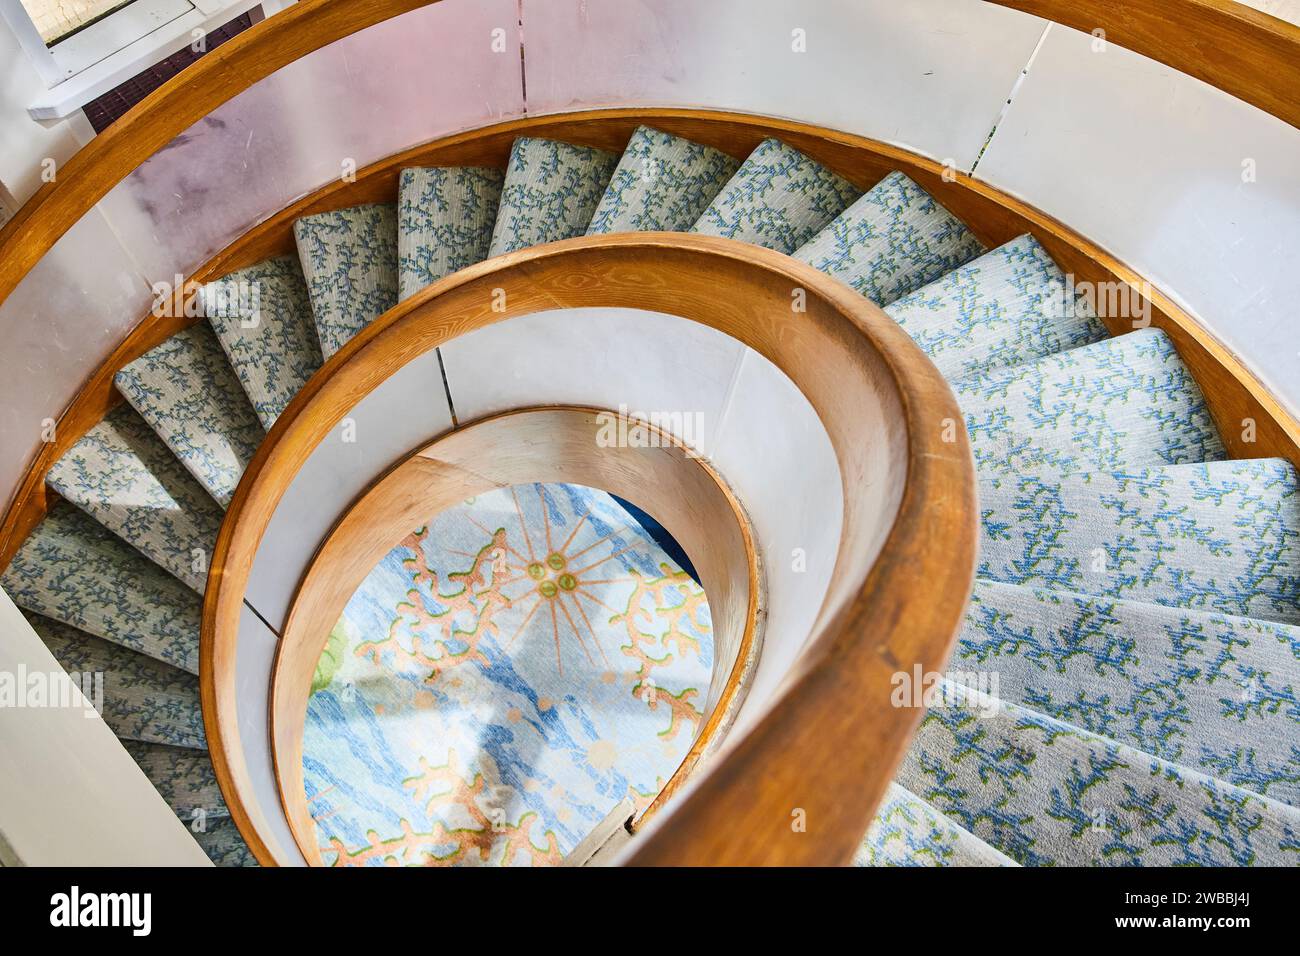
[(1209, 691), (1125, 402), (894, 239), (187, 392), (1221, 536), (1010, 306), (223, 844), (263, 319), (778, 198), (349, 259), (184, 778), (73, 570), (143, 699), (1045, 792), (445, 217), (909, 832), (124, 476), (550, 192), (663, 183)]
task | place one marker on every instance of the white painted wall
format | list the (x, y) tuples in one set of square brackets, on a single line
[(424, 75), (759, 432), (931, 75), (70, 795)]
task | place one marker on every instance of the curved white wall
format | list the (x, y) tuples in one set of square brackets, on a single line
[(1193, 188), (759, 432)]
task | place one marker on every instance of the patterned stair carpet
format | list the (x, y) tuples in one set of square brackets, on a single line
[(1124, 691), (501, 680)]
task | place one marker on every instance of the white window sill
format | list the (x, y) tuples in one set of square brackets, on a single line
[(76, 91)]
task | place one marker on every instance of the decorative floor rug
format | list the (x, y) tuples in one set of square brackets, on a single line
[(502, 680)]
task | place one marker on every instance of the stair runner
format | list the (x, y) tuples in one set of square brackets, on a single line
[(1125, 689)]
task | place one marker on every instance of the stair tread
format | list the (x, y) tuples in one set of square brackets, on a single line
[(779, 199), (188, 393), (126, 478), (184, 778), (143, 699), (550, 192), (223, 844), (73, 570), (1211, 691), (349, 259), (1221, 536), (445, 216), (1007, 307), (1045, 792), (894, 239), (1125, 402), (908, 831), (263, 319), (663, 183)]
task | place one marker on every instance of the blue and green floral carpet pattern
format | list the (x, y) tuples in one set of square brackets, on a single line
[(501, 680)]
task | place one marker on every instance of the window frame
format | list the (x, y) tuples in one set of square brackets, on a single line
[(95, 59)]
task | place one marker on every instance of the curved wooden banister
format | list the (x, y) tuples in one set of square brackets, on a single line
[(902, 573), (1241, 50), (1232, 392)]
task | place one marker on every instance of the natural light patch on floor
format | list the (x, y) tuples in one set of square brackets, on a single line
[(501, 680)]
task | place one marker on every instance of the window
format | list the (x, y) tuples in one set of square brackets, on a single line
[(57, 19), (85, 48)]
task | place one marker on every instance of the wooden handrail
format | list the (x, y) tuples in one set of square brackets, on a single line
[(902, 572), (1241, 50)]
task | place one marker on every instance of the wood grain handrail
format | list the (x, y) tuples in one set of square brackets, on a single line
[(1243, 51), (902, 573)]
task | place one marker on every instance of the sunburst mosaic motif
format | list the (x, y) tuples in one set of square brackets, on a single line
[(501, 681)]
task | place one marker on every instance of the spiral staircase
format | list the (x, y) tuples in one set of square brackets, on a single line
[(1121, 689)]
